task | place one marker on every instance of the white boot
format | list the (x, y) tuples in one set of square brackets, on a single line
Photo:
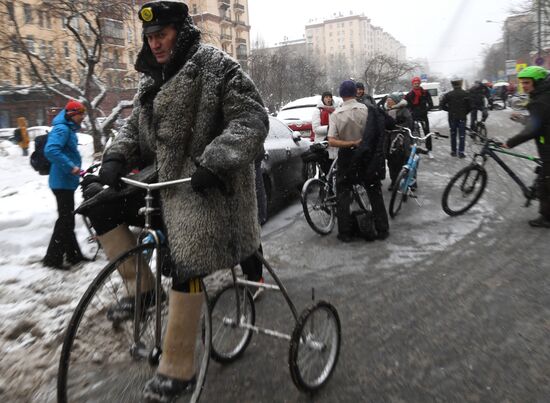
[(178, 348), (120, 240)]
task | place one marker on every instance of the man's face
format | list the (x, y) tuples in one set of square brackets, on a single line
[(360, 92), (78, 118), (390, 102), (162, 42), (416, 84), (527, 84)]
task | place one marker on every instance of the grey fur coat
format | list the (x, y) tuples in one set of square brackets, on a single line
[(209, 113)]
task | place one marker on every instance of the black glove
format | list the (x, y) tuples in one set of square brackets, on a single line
[(91, 189), (112, 169), (204, 179)]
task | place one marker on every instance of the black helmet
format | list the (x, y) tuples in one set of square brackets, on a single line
[(456, 82)]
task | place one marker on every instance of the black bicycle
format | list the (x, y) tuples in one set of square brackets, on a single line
[(319, 199), (465, 188)]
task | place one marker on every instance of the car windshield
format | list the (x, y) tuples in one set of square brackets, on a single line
[(299, 113)]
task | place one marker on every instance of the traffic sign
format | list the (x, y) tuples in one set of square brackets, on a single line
[(520, 66), (539, 61), (424, 77)]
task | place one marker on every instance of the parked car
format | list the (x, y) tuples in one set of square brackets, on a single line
[(282, 167), (297, 114), (7, 133)]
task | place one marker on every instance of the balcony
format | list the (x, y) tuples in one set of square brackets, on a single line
[(226, 38), (240, 24), (224, 4), (240, 40), (238, 7), (225, 19), (242, 56)]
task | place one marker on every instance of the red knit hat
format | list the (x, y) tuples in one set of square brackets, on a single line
[(416, 80), (74, 108)]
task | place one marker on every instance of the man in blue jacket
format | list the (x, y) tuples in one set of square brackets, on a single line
[(62, 151)]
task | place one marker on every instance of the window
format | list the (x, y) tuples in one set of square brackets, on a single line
[(18, 75), (66, 49), (40, 18), (75, 23), (68, 75), (30, 44), (113, 29), (10, 10), (42, 50), (195, 9), (15, 44), (130, 35), (48, 19), (27, 10)]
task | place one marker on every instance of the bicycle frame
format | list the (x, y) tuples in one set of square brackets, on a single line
[(491, 149), (148, 211)]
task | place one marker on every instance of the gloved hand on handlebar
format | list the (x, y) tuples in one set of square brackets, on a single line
[(112, 169), (91, 185), (204, 179)]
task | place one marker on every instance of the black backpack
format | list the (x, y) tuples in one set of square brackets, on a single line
[(38, 160)]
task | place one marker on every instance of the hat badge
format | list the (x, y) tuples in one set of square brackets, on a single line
[(147, 14)]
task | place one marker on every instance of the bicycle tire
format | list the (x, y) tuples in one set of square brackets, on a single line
[(361, 197), (467, 185), (319, 215), (316, 345), (309, 170), (96, 362), (228, 347), (399, 192), (481, 133)]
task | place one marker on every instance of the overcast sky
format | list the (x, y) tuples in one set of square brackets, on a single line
[(451, 34)]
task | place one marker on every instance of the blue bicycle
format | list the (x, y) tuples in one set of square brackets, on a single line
[(405, 184)]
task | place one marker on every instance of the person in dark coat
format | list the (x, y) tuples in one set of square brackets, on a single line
[(479, 96), (363, 96), (196, 114), (534, 81), (457, 103), (420, 102), (62, 151), (397, 147)]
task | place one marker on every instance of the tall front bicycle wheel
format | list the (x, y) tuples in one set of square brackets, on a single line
[(400, 192), (101, 359), (314, 346), (229, 336), (318, 205), (464, 190)]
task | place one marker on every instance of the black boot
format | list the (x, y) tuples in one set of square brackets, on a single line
[(163, 389), (540, 222)]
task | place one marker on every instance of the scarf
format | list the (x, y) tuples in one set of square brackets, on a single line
[(417, 95)]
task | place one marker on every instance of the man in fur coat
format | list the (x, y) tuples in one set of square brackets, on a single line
[(198, 115)]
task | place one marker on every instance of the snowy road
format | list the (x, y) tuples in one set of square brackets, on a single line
[(446, 309)]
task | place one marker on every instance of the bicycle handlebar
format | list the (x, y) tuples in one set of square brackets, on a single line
[(153, 186), (421, 138)]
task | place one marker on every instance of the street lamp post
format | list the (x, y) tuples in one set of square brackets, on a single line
[(506, 45)]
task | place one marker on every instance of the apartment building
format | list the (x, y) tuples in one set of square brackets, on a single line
[(224, 24), (352, 38)]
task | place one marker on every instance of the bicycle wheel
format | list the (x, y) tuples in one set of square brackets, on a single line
[(310, 170), (317, 206), (361, 197), (314, 346), (399, 193), (481, 133), (229, 339), (464, 190), (100, 360)]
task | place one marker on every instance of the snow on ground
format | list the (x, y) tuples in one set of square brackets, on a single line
[(35, 302)]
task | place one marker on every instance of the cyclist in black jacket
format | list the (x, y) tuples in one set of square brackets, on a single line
[(534, 80), (457, 103)]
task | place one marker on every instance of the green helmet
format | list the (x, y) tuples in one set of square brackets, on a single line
[(534, 72)]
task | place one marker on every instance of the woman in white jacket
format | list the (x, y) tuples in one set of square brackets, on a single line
[(319, 124)]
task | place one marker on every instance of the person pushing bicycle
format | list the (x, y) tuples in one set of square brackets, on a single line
[(534, 81), (360, 159), (196, 114)]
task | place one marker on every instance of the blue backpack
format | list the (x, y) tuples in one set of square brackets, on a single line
[(38, 160)]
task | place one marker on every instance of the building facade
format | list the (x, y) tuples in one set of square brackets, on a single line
[(224, 24), (352, 38)]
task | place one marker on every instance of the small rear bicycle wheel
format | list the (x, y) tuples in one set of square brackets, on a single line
[(481, 133), (314, 346), (102, 360), (318, 210), (361, 197), (464, 190), (229, 339), (399, 193)]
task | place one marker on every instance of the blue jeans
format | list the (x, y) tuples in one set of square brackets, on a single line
[(459, 124)]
